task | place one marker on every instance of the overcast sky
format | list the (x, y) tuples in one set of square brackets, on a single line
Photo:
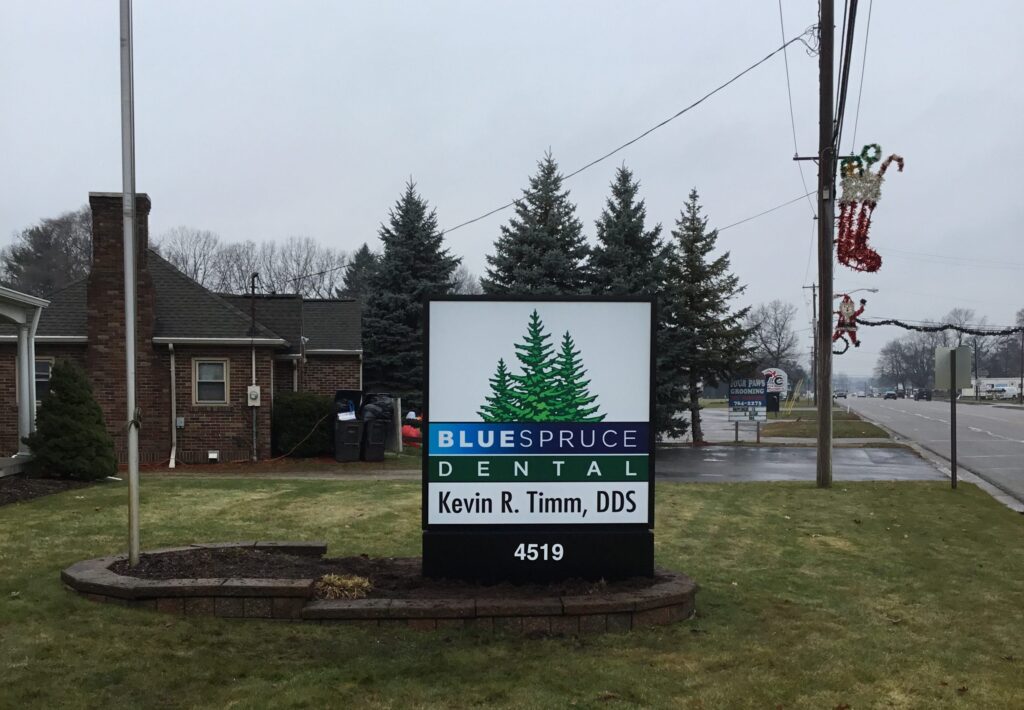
[(260, 120)]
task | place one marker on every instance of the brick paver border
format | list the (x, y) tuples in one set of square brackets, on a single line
[(670, 598)]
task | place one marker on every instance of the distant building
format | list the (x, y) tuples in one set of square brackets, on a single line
[(206, 339)]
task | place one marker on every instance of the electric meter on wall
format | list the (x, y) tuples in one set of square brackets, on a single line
[(253, 396)]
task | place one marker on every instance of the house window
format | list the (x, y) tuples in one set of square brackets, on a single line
[(210, 381), (44, 366)]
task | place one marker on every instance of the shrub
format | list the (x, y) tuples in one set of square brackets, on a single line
[(336, 586), (71, 439), (302, 421)]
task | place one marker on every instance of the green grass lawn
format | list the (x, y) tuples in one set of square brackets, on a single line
[(841, 429), (804, 423), (871, 595)]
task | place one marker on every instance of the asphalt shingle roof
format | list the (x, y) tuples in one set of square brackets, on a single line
[(282, 314), (184, 309), (332, 325), (64, 316)]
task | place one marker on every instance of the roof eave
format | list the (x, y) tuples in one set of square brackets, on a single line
[(236, 342)]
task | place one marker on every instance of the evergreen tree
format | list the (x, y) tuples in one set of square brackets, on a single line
[(628, 259), (704, 342), (358, 274), (537, 389), (501, 405), (574, 401), (71, 440), (46, 257), (414, 264), (542, 249)]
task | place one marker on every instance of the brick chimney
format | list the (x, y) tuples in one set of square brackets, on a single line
[(106, 321)]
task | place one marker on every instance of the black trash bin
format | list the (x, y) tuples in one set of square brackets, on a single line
[(375, 436), (348, 439), (377, 412)]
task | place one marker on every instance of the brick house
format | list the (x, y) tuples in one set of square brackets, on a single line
[(197, 351)]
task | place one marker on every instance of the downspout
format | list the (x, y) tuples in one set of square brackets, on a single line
[(295, 375), (252, 344), (174, 409), (253, 409), (32, 364)]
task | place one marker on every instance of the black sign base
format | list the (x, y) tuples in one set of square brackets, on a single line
[(537, 556)]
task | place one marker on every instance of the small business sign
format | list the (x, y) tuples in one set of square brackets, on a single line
[(539, 461), (748, 400), (776, 381)]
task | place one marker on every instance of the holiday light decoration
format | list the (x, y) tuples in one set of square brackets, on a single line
[(846, 325), (861, 190)]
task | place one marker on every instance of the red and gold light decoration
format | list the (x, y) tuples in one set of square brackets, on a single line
[(861, 190), (846, 325)]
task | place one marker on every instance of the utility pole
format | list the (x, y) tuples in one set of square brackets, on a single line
[(826, 225), (128, 208), (814, 336)]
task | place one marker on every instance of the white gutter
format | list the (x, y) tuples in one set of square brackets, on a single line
[(22, 298), (331, 351), (174, 408), (219, 341), (49, 338)]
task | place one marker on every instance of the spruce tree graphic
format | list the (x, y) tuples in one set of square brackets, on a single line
[(550, 388), (574, 398), (501, 405)]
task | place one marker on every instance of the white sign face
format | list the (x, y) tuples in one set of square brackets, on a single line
[(539, 413), (748, 414), (776, 380), (963, 368)]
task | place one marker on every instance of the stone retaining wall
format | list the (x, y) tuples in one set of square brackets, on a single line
[(668, 600)]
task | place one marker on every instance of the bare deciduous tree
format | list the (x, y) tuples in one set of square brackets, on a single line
[(301, 265), (195, 252), (773, 339), (466, 282), (236, 263)]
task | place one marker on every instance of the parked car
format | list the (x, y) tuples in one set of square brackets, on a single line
[(901, 394), (890, 394), (923, 394), (840, 394)]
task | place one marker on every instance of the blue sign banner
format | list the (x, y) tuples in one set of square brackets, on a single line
[(474, 438)]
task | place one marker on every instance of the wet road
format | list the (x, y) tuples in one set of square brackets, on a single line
[(722, 464), (990, 440)]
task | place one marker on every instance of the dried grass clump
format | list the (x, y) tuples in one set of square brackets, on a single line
[(338, 586)]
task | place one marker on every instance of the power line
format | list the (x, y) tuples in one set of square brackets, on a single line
[(844, 77), (792, 116), (592, 163), (810, 249), (860, 91), (762, 214), (720, 229)]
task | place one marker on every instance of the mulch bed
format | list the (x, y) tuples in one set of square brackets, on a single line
[(391, 577), (14, 489)]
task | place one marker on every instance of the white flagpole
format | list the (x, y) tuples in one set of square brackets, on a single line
[(128, 203)]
